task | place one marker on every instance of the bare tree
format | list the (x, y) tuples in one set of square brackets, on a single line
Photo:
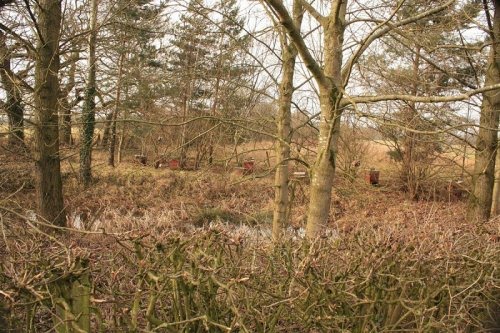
[(332, 78), (48, 169)]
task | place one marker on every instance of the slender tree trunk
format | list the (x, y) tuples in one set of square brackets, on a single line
[(183, 152), (106, 130), (112, 138), (410, 169), (65, 105), (88, 114), (123, 133), (495, 205), (14, 108), (323, 170), (65, 123), (281, 177), (48, 170), (486, 145), (213, 112)]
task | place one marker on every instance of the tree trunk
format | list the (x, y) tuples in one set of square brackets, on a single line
[(323, 170), (65, 106), (496, 188), (65, 123), (281, 177), (48, 168), (14, 109), (410, 160), (486, 145), (123, 133), (183, 148), (88, 114), (213, 112), (112, 138), (106, 130)]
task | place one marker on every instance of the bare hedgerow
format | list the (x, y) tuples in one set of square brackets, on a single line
[(418, 277)]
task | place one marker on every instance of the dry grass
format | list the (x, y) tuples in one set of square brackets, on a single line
[(193, 246)]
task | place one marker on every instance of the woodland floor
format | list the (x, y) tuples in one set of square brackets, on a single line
[(132, 196)]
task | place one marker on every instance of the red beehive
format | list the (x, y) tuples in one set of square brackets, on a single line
[(174, 164), (249, 166), (372, 177)]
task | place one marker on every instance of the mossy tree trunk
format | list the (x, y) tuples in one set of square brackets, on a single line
[(47, 160), (486, 144), (88, 114)]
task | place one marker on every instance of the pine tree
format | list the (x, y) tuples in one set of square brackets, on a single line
[(191, 61)]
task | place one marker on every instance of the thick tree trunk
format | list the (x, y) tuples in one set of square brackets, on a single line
[(14, 109), (48, 169), (486, 145), (88, 114), (112, 137), (284, 119), (323, 170)]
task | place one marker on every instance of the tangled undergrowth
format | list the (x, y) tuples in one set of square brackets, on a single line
[(372, 278), (170, 251)]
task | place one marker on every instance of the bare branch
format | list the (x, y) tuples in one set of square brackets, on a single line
[(382, 29), (314, 13), (417, 99), (284, 17)]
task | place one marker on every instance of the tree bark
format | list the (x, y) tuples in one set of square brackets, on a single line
[(486, 145), (65, 105), (286, 89), (410, 160), (14, 108), (106, 130), (48, 170), (496, 188), (112, 137), (323, 170), (329, 78), (88, 114)]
